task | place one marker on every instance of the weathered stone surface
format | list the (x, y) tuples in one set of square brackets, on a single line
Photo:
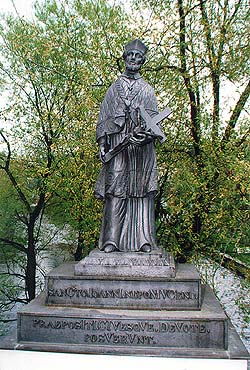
[(236, 349), (157, 263), (122, 329), (181, 293)]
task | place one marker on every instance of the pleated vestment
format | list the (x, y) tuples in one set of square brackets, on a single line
[(128, 182)]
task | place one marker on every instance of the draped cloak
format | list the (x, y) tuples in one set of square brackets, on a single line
[(128, 182)]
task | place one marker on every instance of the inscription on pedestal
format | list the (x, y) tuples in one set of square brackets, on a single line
[(125, 294), (172, 295), (154, 264), (109, 261), (126, 332)]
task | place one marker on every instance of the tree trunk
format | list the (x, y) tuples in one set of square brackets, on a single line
[(78, 255), (31, 264), (79, 250)]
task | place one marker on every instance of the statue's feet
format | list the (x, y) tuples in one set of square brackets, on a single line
[(109, 248), (146, 248)]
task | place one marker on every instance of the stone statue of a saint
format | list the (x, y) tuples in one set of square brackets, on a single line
[(128, 180)]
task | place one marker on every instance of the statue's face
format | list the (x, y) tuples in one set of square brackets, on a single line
[(134, 60)]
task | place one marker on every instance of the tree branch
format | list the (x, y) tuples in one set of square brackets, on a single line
[(195, 127), (235, 115), (21, 218), (7, 159), (12, 299), (6, 321), (214, 64), (7, 170), (243, 139), (16, 245), (9, 273)]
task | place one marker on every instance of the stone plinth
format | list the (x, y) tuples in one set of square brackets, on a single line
[(136, 304), (117, 264), (183, 292), (123, 331)]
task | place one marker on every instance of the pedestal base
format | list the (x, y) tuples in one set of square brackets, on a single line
[(119, 314), (120, 331)]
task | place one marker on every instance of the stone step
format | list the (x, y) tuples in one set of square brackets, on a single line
[(123, 331), (183, 292)]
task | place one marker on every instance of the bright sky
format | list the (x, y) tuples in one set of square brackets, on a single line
[(23, 7)]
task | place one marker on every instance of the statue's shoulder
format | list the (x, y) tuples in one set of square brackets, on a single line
[(111, 91), (146, 86), (116, 84)]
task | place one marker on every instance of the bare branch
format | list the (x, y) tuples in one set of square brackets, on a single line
[(21, 218), (14, 244), (14, 80), (7, 159), (195, 127), (16, 275), (237, 6), (161, 67), (6, 321), (223, 32), (235, 114), (12, 299), (12, 178), (210, 46), (243, 139)]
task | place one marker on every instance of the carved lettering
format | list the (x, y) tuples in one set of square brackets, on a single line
[(183, 327), (128, 327), (151, 294), (112, 338), (156, 261)]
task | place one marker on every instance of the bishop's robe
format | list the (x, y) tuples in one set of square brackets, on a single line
[(128, 182)]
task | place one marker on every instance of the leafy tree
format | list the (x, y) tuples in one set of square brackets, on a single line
[(55, 69), (200, 67), (11, 292)]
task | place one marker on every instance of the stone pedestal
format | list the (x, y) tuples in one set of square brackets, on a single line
[(133, 303), (124, 331), (156, 264), (64, 288)]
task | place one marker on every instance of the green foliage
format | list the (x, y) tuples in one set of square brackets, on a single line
[(220, 196), (199, 66), (9, 207), (8, 289), (56, 70)]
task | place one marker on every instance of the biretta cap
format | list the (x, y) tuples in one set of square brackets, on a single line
[(136, 45)]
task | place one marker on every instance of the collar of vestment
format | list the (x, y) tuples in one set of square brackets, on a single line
[(126, 95), (136, 76)]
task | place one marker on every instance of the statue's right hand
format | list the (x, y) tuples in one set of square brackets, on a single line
[(102, 151), (138, 139)]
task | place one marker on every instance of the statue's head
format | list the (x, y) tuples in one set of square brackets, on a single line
[(134, 55)]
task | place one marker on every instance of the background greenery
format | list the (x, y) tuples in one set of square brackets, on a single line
[(54, 71)]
